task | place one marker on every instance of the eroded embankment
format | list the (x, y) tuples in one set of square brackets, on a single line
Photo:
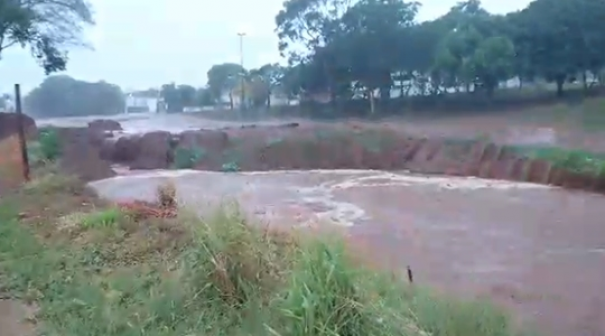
[(294, 147)]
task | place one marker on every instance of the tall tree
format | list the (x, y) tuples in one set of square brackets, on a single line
[(203, 97), (187, 94), (47, 27), (563, 38), (224, 78), (266, 80)]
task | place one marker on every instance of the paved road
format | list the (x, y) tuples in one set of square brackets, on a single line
[(536, 249)]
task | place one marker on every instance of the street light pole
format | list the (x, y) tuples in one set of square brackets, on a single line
[(243, 79)]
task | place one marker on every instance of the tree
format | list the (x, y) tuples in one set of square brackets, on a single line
[(349, 43), (60, 96), (223, 78), (187, 94), (177, 97), (563, 38), (307, 22), (264, 81), (474, 53), (47, 27), (172, 98), (203, 97), (352, 49), (369, 30)]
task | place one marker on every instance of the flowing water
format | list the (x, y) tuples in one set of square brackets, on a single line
[(536, 249)]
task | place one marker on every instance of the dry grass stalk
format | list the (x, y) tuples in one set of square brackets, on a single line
[(166, 194)]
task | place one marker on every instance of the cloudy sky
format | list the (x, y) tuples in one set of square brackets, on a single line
[(140, 44)]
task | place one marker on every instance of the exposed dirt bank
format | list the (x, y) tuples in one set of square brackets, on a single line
[(294, 146)]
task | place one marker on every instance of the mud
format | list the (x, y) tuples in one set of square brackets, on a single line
[(536, 249), (11, 162), (14, 316), (9, 125), (327, 147)]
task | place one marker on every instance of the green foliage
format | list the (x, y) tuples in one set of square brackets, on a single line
[(224, 78), (573, 160), (47, 27), (231, 166), (176, 97), (61, 96), (105, 218), (187, 158), (49, 144), (354, 48)]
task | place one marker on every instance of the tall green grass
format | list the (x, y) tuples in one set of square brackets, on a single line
[(232, 278)]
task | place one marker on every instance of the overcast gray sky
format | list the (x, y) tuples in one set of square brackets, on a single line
[(140, 44)]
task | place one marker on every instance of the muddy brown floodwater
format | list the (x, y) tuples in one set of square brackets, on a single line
[(535, 249)]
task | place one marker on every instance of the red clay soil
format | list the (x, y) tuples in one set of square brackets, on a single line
[(309, 147), (11, 164), (384, 150), (140, 210), (80, 154), (9, 124)]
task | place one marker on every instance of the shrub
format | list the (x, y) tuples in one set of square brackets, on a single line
[(187, 158), (49, 144)]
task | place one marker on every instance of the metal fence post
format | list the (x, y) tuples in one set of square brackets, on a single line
[(20, 126)]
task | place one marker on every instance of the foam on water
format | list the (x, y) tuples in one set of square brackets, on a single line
[(394, 179), (332, 210)]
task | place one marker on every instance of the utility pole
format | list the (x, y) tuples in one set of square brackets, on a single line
[(243, 75)]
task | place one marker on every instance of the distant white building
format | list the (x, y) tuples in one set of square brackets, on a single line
[(136, 103)]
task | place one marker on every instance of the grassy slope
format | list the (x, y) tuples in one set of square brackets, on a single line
[(574, 160), (94, 270)]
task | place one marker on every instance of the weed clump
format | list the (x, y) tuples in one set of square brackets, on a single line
[(166, 195), (50, 144), (106, 218)]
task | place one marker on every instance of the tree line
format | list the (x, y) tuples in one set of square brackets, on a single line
[(63, 96), (228, 82), (366, 46), (365, 50), (368, 49)]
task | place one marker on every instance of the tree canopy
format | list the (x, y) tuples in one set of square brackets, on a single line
[(61, 96), (376, 49), (46, 27), (368, 49), (357, 47)]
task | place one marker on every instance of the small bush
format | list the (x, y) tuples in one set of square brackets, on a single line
[(187, 158), (49, 144), (230, 167)]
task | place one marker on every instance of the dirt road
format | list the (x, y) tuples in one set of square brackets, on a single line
[(535, 249)]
